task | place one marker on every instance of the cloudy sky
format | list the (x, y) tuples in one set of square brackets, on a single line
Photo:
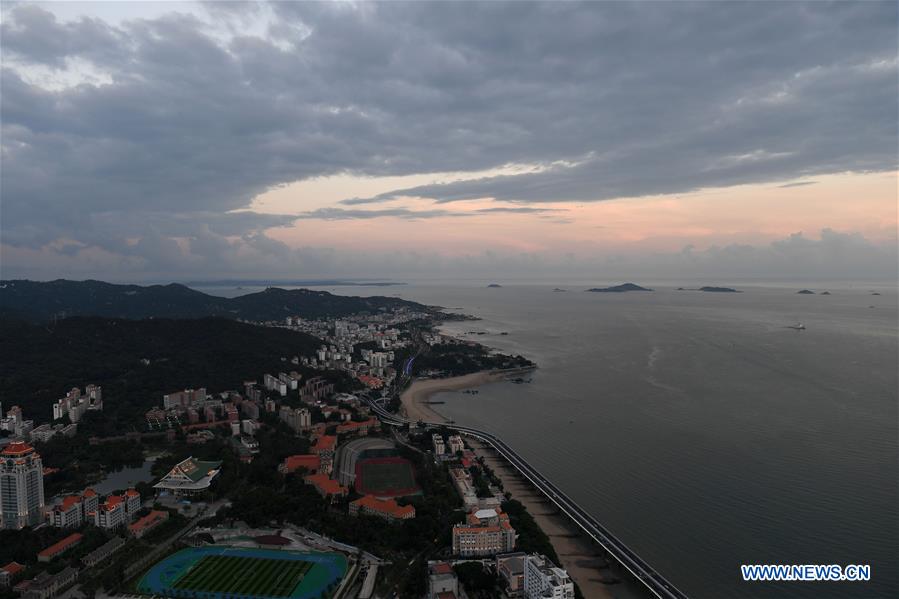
[(148, 141)]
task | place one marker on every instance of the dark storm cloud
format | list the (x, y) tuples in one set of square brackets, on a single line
[(609, 99)]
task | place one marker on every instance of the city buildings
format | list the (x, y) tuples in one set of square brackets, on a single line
[(486, 533), (118, 510), (75, 404), (544, 580), (184, 399), (21, 486), (189, 477), (298, 419), (439, 446), (387, 509)]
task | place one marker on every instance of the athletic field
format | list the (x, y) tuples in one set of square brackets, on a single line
[(385, 477), (237, 573)]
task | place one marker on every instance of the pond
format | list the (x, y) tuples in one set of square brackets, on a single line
[(125, 478)]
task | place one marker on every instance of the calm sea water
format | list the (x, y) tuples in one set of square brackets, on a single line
[(698, 427)]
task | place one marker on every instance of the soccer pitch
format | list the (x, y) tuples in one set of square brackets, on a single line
[(243, 576), (385, 477), (232, 573)]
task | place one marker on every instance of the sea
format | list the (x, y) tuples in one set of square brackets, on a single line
[(698, 427)]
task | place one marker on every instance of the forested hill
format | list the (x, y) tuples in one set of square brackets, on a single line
[(42, 301), (39, 363)]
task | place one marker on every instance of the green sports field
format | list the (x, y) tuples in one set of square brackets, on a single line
[(242, 573), (244, 576)]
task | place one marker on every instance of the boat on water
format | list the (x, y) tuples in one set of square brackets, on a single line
[(797, 327)]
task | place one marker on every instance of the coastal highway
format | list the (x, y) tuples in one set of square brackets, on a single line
[(641, 571)]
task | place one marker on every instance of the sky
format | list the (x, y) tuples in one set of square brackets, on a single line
[(188, 141)]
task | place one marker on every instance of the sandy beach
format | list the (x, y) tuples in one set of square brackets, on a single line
[(414, 399)]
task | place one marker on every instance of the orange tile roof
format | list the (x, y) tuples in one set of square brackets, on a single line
[(132, 493), (69, 501), (294, 462), (325, 443), (88, 492), (385, 506), (148, 521), (327, 484), (112, 501), (13, 568), (16, 448), (60, 546)]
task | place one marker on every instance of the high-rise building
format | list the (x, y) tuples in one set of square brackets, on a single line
[(21, 486)]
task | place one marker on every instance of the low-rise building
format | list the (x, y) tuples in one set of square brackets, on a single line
[(388, 509), (9, 572), (441, 579), (60, 547), (326, 486), (47, 585), (189, 477), (293, 463), (143, 525), (545, 580), (486, 533), (103, 552)]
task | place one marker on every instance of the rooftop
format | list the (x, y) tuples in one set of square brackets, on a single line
[(17, 449), (385, 506), (60, 546), (295, 462)]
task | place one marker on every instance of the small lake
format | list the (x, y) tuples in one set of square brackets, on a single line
[(124, 478)]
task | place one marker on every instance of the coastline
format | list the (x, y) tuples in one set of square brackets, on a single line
[(414, 399), (579, 555)]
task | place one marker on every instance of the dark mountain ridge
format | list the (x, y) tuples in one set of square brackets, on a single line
[(136, 361), (42, 301)]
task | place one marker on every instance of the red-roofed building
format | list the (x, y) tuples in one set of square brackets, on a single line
[(59, 547), (69, 513), (110, 513), (326, 486), (9, 572), (142, 526), (293, 463), (357, 428), (387, 509), (487, 532)]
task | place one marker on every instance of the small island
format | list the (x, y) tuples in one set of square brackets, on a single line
[(619, 288), (493, 286), (806, 292), (558, 290), (825, 293), (719, 290)]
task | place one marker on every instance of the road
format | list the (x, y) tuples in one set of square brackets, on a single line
[(641, 571)]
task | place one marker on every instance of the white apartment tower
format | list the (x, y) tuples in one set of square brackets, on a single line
[(21, 486), (544, 580)]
